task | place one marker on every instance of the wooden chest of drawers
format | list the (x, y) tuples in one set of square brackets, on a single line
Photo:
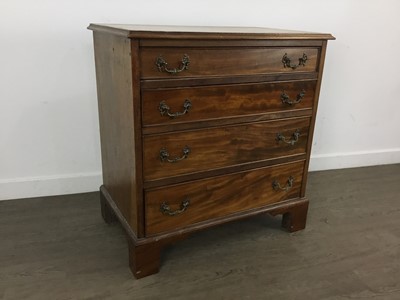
[(201, 126)]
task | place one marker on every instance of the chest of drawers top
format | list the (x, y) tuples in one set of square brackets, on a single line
[(205, 32)]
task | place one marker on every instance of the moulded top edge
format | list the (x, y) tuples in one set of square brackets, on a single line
[(208, 32)]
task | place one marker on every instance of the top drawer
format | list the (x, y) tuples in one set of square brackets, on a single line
[(191, 62)]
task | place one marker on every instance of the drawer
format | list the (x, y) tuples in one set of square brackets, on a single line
[(191, 62), (185, 152), (177, 105), (177, 206)]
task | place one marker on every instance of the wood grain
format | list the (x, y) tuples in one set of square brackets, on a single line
[(220, 196), (204, 43), (115, 94), (225, 61), (239, 79), (234, 83), (215, 148), (226, 170), (206, 32), (137, 174), (224, 101), (314, 115), (221, 122)]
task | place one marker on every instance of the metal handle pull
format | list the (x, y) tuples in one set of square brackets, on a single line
[(164, 155), (287, 62), (293, 139), (162, 65), (289, 184), (286, 99), (166, 210), (164, 109)]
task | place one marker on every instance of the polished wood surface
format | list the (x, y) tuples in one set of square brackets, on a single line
[(294, 218), (144, 253), (206, 43), (176, 81), (215, 148), (115, 96), (225, 62), (221, 171), (210, 198), (204, 32), (233, 151), (223, 101), (314, 115)]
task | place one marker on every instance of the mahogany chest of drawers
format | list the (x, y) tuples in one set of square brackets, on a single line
[(203, 125)]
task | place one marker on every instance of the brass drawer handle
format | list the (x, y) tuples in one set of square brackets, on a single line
[(164, 109), (289, 184), (293, 139), (287, 62), (164, 155), (162, 65), (286, 99), (166, 210)]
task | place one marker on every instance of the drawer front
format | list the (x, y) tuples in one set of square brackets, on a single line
[(185, 152), (177, 105), (192, 62), (181, 205)]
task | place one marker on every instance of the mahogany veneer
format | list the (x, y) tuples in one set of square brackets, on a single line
[(201, 126)]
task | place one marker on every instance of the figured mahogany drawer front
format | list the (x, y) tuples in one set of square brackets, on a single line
[(181, 105), (191, 62), (179, 153), (177, 206)]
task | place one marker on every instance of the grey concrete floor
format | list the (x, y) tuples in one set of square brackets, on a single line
[(59, 248)]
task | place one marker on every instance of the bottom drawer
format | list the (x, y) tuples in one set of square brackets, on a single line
[(180, 205)]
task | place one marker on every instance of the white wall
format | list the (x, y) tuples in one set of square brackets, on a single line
[(49, 136)]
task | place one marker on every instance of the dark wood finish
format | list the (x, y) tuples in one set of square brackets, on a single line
[(235, 82), (234, 120), (225, 61), (175, 81), (294, 217), (106, 211), (215, 148), (228, 43), (172, 236), (115, 94), (207, 32), (144, 260), (223, 101), (314, 115), (210, 198), (137, 174), (144, 254), (226, 170)]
